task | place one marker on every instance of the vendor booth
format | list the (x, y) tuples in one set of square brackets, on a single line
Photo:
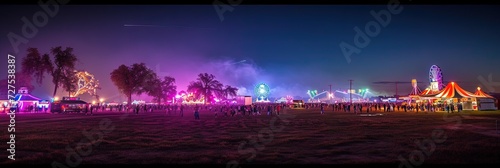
[(25, 102)]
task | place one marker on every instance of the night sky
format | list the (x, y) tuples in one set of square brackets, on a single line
[(291, 48)]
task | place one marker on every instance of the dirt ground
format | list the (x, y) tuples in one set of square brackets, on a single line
[(297, 136)]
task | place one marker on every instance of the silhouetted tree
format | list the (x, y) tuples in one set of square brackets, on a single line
[(132, 80), (37, 66), (161, 89), (153, 88), (205, 85), (229, 91), (168, 87), (63, 73), (61, 70), (70, 82)]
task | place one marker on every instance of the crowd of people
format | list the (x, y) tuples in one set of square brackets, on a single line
[(179, 109), (231, 110), (276, 108), (385, 107)]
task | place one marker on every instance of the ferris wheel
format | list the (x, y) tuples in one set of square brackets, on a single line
[(436, 77), (262, 92)]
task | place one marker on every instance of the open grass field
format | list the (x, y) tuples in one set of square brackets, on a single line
[(298, 136)]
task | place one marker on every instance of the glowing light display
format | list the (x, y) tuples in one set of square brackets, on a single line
[(86, 84), (435, 78), (312, 93), (188, 98), (314, 96), (262, 92), (289, 99)]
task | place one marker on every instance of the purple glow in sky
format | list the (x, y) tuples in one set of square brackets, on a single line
[(290, 51)]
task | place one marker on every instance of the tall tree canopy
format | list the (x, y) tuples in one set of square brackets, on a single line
[(63, 74), (61, 70), (133, 80), (161, 89)]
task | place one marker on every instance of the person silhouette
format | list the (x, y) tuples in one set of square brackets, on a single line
[(196, 113)]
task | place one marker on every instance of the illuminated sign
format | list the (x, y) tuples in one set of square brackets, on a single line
[(71, 98)]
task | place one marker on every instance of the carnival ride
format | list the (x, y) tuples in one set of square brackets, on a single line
[(435, 78), (414, 94), (314, 96), (414, 85), (86, 84), (435, 81), (338, 96), (261, 91), (344, 96)]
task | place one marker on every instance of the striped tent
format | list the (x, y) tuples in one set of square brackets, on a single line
[(428, 91), (452, 90), (480, 93)]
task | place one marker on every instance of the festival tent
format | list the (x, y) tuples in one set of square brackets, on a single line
[(428, 95), (485, 101), (23, 101), (452, 90), (454, 94), (428, 91), (421, 97), (480, 93)]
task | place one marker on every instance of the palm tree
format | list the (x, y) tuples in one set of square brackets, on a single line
[(205, 85), (219, 91), (229, 91)]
